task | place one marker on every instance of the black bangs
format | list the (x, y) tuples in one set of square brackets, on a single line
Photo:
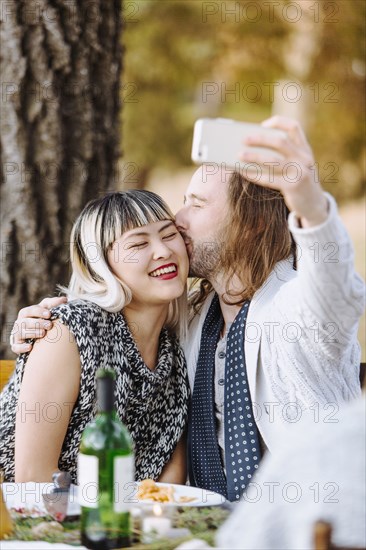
[(116, 213)]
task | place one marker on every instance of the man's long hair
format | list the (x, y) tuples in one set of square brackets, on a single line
[(254, 239)]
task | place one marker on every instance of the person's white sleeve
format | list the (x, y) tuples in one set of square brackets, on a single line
[(327, 295)]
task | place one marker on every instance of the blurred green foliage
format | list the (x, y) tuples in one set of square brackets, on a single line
[(188, 59)]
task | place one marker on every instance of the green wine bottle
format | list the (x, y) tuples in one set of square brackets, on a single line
[(105, 474)]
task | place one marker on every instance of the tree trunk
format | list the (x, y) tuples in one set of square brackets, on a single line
[(60, 66), (292, 98)]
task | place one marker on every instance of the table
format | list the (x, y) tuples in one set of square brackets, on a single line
[(197, 520)]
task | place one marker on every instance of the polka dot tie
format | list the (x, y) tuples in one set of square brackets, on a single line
[(242, 453)]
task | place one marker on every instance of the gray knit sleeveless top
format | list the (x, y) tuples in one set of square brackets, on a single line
[(152, 404)]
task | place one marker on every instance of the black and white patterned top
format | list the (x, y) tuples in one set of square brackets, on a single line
[(152, 404)]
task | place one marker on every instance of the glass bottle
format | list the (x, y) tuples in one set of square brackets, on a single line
[(105, 474)]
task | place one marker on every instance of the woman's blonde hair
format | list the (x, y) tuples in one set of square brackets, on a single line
[(99, 225)]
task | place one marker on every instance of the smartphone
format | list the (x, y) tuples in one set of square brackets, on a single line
[(220, 140)]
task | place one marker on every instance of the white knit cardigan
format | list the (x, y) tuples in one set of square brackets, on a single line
[(301, 348)]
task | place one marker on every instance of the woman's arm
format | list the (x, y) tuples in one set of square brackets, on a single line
[(175, 471), (49, 390)]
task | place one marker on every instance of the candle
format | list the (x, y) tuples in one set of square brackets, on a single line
[(155, 526)]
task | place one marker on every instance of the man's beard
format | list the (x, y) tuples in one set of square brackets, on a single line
[(204, 261)]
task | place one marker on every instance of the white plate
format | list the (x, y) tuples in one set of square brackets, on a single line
[(202, 497), (27, 498)]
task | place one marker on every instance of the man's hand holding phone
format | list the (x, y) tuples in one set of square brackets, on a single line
[(287, 164), (274, 154)]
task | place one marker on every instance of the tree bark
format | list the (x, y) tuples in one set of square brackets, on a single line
[(60, 64)]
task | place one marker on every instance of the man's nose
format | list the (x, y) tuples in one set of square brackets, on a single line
[(180, 219)]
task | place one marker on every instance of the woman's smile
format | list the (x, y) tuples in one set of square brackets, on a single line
[(165, 272)]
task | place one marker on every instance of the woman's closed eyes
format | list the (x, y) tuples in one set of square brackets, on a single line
[(142, 244)]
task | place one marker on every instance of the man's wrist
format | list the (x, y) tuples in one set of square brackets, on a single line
[(319, 215)]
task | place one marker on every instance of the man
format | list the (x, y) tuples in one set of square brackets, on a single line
[(267, 345)]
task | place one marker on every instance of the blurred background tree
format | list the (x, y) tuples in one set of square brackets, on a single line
[(60, 134), (181, 63), (338, 123), (237, 59)]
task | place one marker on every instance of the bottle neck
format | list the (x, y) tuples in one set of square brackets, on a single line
[(105, 395)]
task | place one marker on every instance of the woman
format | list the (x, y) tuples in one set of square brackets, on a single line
[(129, 272)]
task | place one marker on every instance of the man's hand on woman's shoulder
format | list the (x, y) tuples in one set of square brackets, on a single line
[(33, 322)]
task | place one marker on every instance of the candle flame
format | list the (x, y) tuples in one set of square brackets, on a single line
[(157, 509)]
